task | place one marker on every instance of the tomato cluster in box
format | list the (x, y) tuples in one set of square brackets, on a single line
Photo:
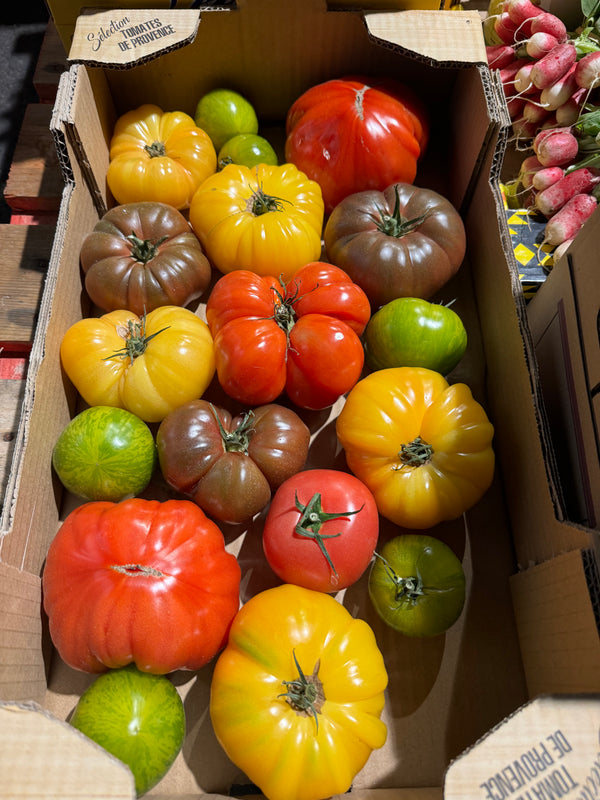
[(429, 698)]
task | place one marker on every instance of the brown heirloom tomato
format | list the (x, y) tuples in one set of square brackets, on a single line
[(403, 242), (228, 466), (140, 256)]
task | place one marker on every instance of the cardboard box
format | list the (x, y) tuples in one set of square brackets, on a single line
[(446, 696)]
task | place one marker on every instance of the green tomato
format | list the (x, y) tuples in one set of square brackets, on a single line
[(247, 149), (223, 113), (410, 332), (105, 453), (417, 585), (136, 716)]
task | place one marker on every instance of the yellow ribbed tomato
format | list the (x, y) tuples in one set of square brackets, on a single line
[(266, 219), (157, 155), (421, 445), (148, 365), (297, 694)]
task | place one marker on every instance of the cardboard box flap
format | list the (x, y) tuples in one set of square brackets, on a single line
[(548, 748), (52, 759)]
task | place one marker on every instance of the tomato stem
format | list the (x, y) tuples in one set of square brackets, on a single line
[(144, 250), (395, 224), (415, 453), (156, 149), (312, 519), (260, 202), (136, 340), (236, 441), (305, 695), (407, 589)]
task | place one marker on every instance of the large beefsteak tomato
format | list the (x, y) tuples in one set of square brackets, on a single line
[(302, 337), (148, 365), (139, 581), (267, 219), (350, 135), (423, 446), (321, 529), (297, 694), (158, 155), (143, 255), (404, 241), (226, 464)]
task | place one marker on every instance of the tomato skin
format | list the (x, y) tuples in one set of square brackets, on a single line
[(397, 410), (248, 150), (403, 241), (139, 581), (164, 265), (105, 453), (301, 336), (410, 332), (267, 219), (229, 465), (176, 363), (351, 135), (436, 573), (281, 750), (186, 157), (297, 557)]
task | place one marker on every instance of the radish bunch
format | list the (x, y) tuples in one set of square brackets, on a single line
[(551, 80)]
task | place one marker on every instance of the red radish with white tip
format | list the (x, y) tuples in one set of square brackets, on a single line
[(567, 222), (559, 93), (499, 55), (555, 147), (587, 73), (539, 44), (553, 65), (552, 199), (546, 22), (545, 177), (568, 113)]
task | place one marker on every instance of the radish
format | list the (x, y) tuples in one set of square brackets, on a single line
[(561, 249), (555, 147), (545, 177), (509, 73), (567, 223), (505, 28), (539, 44), (523, 129), (522, 80), (499, 55), (534, 112), (515, 107), (521, 13), (552, 199), (559, 92), (529, 167), (553, 65), (568, 113), (587, 73), (545, 22)]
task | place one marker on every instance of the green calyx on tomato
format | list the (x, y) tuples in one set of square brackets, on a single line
[(144, 250), (415, 453), (305, 694), (407, 589), (136, 340), (312, 520), (260, 203), (395, 224)]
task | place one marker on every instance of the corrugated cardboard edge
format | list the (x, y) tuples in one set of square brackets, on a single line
[(562, 729), (71, 763)]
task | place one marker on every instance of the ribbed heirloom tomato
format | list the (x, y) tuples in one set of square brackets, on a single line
[(354, 134), (297, 694), (139, 581), (421, 445), (302, 337)]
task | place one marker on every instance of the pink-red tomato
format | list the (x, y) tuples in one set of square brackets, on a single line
[(321, 530)]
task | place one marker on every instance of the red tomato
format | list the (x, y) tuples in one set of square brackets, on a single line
[(302, 337), (139, 581), (355, 134), (321, 530)]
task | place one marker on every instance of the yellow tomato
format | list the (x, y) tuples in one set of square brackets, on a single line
[(149, 365), (266, 219), (158, 156), (421, 445), (297, 694)]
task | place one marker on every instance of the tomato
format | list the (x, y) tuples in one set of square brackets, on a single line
[(267, 219), (297, 694), (351, 135), (139, 581), (105, 453), (248, 150), (421, 445), (137, 717), (159, 156), (148, 365), (143, 255), (403, 242), (410, 332), (417, 585), (229, 465), (321, 530), (224, 113), (301, 337)]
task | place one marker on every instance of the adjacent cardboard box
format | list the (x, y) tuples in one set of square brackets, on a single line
[(528, 627)]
